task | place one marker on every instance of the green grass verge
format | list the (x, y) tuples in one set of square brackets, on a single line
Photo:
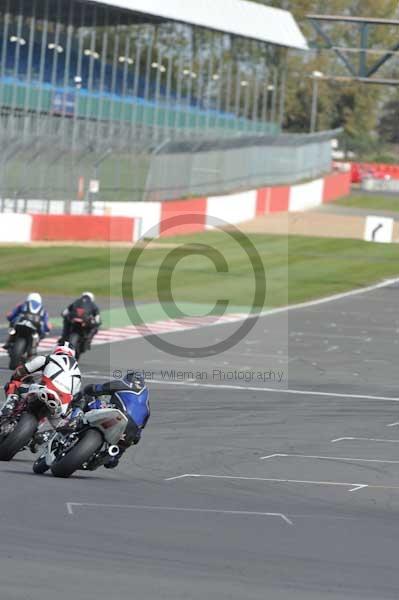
[(297, 269), (387, 203)]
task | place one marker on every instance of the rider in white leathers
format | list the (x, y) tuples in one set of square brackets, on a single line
[(60, 374)]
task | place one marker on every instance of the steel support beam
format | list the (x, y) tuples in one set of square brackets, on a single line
[(364, 73)]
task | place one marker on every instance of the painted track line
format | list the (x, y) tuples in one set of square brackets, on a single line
[(353, 486), (364, 439), (332, 458), (71, 505)]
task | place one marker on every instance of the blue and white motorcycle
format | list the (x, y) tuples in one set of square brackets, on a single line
[(87, 447)]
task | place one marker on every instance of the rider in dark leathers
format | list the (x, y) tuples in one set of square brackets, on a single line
[(134, 386), (86, 308)]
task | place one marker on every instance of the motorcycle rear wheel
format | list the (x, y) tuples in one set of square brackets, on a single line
[(90, 442), (19, 437)]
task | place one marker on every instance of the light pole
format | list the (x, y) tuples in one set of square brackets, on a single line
[(270, 89), (316, 76)]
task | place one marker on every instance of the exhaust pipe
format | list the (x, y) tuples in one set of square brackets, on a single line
[(113, 450)]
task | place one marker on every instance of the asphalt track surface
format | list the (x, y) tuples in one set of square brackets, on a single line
[(301, 526)]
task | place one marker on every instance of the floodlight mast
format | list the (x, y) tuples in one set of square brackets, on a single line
[(362, 73)]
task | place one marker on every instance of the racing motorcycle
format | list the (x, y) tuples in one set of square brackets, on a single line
[(88, 447), (21, 414), (24, 341)]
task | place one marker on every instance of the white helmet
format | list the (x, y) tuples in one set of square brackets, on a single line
[(67, 349), (89, 295), (34, 297)]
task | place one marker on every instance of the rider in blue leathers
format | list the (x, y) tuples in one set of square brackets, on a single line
[(33, 310), (130, 395)]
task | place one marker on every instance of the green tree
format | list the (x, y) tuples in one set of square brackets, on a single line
[(351, 105), (388, 126)]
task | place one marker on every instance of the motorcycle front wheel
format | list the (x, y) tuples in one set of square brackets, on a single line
[(90, 442), (19, 437), (17, 351), (74, 339)]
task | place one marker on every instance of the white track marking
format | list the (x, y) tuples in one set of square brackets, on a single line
[(353, 486), (71, 505), (333, 458), (364, 439), (242, 388), (333, 298), (393, 424), (358, 487), (295, 481)]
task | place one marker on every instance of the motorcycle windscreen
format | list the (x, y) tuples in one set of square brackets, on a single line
[(136, 405)]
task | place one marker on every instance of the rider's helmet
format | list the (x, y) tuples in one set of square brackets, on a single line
[(67, 350), (135, 380), (34, 302), (89, 295)]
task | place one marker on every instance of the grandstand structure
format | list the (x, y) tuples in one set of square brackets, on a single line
[(90, 88)]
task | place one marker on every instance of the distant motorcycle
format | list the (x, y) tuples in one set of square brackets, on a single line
[(87, 448), (21, 414), (24, 340), (79, 334)]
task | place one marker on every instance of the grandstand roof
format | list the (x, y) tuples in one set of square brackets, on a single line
[(238, 17)]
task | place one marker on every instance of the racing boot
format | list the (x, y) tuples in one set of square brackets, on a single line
[(112, 462), (39, 439), (9, 406)]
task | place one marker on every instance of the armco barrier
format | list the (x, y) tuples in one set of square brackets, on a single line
[(306, 196), (170, 210), (127, 222), (81, 228)]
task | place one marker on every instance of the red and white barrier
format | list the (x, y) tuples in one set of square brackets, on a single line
[(380, 171), (22, 228), (130, 221)]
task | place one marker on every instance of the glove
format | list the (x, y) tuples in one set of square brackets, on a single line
[(88, 390), (12, 387), (76, 414)]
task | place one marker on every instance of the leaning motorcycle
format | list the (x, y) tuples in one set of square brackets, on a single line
[(24, 339), (88, 447), (20, 417)]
